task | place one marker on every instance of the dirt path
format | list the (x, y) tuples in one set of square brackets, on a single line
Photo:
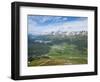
[(44, 62)]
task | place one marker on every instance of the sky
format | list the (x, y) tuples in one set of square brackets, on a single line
[(40, 24)]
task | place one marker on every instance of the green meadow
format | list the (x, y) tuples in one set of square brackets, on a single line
[(58, 49)]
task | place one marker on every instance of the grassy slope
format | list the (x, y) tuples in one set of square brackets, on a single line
[(62, 54)]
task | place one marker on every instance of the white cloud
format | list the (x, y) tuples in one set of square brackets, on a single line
[(68, 26)]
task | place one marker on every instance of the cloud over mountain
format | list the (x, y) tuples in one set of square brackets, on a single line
[(46, 24)]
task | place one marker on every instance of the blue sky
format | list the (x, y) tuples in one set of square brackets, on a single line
[(41, 24)]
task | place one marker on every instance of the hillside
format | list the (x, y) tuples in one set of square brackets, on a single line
[(57, 48)]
